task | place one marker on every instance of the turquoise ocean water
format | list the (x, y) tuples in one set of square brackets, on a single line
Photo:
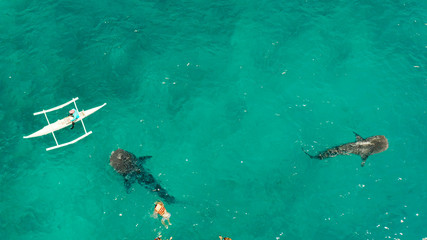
[(223, 95)]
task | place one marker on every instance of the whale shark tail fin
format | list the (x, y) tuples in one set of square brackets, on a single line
[(307, 153)]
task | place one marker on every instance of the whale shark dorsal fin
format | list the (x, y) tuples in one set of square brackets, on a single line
[(358, 137)]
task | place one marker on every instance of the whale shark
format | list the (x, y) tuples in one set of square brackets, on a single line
[(131, 168), (364, 147)]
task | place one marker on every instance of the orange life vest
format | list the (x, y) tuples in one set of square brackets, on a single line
[(160, 209)]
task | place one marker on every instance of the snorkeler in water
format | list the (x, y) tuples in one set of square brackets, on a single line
[(160, 209), (160, 238)]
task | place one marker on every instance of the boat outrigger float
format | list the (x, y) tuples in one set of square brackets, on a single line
[(62, 123)]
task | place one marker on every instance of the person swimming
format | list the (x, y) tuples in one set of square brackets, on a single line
[(73, 113), (224, 238), (160, 238), (160, 209)]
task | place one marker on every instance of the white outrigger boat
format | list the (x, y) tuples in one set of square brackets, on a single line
[(63, 123)]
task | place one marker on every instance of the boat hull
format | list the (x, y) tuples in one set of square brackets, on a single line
[(63, 123)]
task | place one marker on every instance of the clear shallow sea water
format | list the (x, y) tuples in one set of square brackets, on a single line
[(223, 95)]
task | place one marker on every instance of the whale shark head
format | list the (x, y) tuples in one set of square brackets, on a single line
[(379, 143), (123, 161)]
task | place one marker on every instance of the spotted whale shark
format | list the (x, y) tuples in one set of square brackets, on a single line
[(131, 168), (364, 147)]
